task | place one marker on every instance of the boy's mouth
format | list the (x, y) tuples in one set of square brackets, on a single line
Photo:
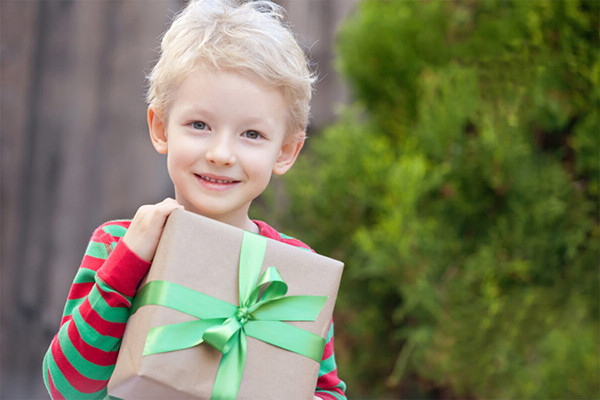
[(216, 179)]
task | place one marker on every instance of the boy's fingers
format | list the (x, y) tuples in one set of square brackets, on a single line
[(169, 200), (146, 228), (159, 209), (170, 204)]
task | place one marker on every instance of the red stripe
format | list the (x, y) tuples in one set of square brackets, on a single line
[(80, 290), (92, 263), (65, 319), (56, 395), (268, 231), (102, 326), (91, 353), (325, 396), (78, 381), (329, 381), (328, 350)]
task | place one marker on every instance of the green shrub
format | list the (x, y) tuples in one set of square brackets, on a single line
[(462, 192)]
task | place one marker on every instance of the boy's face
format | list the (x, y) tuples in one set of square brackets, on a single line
[(224, 137)]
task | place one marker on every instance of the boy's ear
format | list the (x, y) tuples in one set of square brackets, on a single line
[(158, 131), (289, 152)]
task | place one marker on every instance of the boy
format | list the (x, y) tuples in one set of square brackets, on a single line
[(228, 105)]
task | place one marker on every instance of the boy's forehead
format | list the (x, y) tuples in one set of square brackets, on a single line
[(185, 83), (229, 93), (226, 79)]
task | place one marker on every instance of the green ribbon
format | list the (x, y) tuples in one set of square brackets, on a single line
[(262, 308)]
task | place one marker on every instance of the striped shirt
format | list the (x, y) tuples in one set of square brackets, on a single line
[(82, 355)]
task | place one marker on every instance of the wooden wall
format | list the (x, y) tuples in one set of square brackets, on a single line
[(74, 147)]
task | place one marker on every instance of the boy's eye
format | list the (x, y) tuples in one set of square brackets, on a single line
[(252, 134), (198, 125)]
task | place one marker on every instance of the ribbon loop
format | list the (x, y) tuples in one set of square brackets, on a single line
[(276, 285), (162, 339)]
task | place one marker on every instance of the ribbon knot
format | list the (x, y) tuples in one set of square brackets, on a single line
[(243, 315), (225, 326)]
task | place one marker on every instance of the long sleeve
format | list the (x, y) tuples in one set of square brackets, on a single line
[(329, 385), (82, 355)]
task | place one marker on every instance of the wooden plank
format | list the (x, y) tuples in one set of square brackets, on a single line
[(19, 37), (75, 148), (70, 88)]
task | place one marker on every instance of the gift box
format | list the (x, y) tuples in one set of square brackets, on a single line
[(224, 313)]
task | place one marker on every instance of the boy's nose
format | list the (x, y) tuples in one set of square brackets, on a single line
[(220, 152)]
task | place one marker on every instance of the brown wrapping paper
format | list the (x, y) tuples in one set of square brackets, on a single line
[(203, 254)]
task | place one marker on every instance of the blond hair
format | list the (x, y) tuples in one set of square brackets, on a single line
[(250, 38)]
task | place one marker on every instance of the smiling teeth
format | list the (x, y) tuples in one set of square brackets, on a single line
[(206, 178)]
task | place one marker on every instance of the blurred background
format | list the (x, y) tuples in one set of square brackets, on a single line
[(453, 164)]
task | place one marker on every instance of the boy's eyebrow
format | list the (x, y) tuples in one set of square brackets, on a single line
[(257, 121), (196, 108)]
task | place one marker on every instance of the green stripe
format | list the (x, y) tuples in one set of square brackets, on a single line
[(327, 365), (65, 387), (97, 250), (106, 288), (342, 386), (94, 338), (71, 305), (115, 230), (108, 313), (329, 333), (45, 370), (83, 366), (84, 275)]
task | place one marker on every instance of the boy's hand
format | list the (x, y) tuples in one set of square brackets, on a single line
[(146, 228)]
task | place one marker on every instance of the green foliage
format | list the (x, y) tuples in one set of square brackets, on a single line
[(462, 191)]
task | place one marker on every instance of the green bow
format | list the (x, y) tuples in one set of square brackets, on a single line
[(225, 326)]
